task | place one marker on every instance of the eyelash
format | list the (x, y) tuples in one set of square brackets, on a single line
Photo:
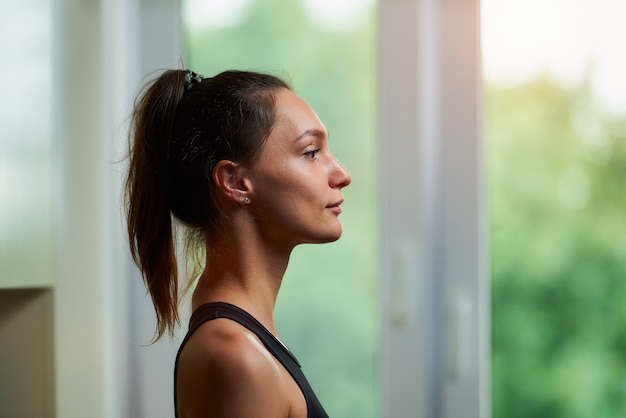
[(312, 154)]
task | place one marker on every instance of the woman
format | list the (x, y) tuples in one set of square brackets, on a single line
[(243, 164)]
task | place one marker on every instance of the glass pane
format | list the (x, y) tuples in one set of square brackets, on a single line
[(556, 134), (328, 306), (26, 153)]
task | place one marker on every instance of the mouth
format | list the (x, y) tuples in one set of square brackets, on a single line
[(335, 207)]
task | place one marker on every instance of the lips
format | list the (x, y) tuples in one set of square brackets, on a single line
[(335, 207)]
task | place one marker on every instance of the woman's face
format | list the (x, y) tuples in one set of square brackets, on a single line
[(296, 184)]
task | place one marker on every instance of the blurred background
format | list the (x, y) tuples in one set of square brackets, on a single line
[(555, 129), (74, 318)]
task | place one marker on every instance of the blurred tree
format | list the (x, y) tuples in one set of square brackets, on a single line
[(557, 170)]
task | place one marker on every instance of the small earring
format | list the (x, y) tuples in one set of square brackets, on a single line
[(246, 200)]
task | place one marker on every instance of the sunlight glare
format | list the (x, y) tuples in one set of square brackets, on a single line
[(568, 39)]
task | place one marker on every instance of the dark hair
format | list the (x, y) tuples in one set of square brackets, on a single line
[(182, 126)]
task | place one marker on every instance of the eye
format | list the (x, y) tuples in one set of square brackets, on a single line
[(311, 154)]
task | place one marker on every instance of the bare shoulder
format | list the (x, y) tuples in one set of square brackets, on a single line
[(225, 371)]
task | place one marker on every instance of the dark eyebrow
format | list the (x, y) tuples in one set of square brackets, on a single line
[(317, 133)]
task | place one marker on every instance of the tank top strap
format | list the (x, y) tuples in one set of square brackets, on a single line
[(216, 310)]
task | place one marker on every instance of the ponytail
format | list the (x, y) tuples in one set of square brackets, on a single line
[(148, 214)]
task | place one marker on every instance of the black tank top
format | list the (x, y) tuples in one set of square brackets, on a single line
[(215, 310)]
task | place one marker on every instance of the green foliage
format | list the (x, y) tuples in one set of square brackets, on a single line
[(557, 179), (328, 304)]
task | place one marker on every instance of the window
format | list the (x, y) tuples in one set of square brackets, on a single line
[(327, 309), (26, 147), (555, 105)]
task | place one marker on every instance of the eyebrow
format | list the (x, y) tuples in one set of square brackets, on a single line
[(317, 133)]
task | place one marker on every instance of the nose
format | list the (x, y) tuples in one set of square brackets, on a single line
[(340, 176)]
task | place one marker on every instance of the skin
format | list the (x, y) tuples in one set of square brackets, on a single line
[(289, 196)]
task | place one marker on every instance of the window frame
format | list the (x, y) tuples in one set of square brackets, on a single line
[(435, 336)]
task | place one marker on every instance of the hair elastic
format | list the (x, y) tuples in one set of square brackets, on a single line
[(191, 79)]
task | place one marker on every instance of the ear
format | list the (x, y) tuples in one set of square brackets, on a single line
[(230, 181)]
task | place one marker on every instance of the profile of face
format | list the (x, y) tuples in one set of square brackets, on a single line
[(296, 184)]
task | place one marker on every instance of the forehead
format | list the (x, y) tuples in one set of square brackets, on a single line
[(294, 116)]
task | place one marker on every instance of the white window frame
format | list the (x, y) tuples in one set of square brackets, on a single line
[(435, 295)]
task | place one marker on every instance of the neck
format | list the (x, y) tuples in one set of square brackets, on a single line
[(243, 270)]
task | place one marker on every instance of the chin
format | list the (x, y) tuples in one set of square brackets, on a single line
[(331, 239), (333, 236), (323, 239), (322, 236)]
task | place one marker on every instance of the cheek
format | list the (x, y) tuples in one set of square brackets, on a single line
[(284, 178), (288, 182), (271, 189), (287, 200)]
